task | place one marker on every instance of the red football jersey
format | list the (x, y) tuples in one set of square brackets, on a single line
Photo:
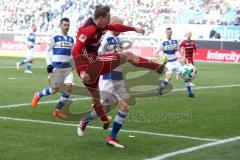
[(88, 41), (189, 47)]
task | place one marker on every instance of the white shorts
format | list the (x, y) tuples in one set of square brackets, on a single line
[(61, 76), (30, 54), (173, 67), (112, 91)]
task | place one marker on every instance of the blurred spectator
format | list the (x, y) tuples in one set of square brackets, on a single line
[(17, 15), (214, 34)]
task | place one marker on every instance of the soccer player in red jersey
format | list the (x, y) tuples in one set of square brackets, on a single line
[(189, 49), (90, 65)]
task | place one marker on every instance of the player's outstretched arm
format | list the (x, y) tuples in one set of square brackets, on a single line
[(139, 30), (123, 28)]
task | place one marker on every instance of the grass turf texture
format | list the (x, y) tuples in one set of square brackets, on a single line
[(214, 114)]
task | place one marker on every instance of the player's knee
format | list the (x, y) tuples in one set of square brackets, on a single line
[(55, 90), (68, 88), (123, 106), (31, 60), (169, 77)]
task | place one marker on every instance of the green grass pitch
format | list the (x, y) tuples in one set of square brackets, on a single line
[(168, 123)]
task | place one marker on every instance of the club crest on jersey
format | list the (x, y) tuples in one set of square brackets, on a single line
[(82, 38)]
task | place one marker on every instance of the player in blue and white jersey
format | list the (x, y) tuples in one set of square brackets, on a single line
[(170, 47), (30, 41), (112, 88), (58, 58)]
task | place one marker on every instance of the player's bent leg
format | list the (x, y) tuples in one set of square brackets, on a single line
[(28, 68), (190, 61), (81, 127), (86, 119), (107, 62), (45, 92), (117, 124), (165, 83), (97, 104), (106, 100), (29, 65), (189, 89), (20, 63), (97, 107), (63, 100), (143, 62)]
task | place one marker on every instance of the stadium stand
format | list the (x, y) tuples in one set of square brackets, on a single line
[(17, 15)]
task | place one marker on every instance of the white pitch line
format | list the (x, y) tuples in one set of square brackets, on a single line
[(46, 102), (85, 98), (100, 128), (13, 67), (195, 148), (209, 87), (174, 136)]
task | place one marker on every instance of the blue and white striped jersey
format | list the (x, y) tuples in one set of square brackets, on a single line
[(60, 51), (111, 43), (170, 48), (31, 38)]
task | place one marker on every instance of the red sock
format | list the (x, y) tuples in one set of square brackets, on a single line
[(145, 63), (100, 112)]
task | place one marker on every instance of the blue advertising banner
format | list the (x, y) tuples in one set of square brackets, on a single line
[(228, 32)]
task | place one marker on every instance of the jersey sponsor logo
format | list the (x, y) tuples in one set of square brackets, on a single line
[(66, 45), (82, 38), (171, 47)]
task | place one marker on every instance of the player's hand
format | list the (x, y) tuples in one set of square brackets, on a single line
[(49, 68), (139, 30), (84, 76)]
